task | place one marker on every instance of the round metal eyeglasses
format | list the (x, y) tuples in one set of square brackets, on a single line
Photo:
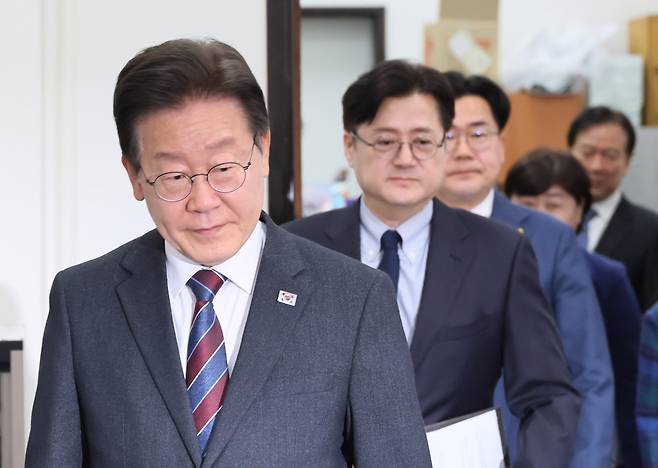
[(225, 177)]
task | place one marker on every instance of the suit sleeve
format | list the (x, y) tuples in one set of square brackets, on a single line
[(585, 345), (623, 322), (536, 376), (386, 421), (55, 437)]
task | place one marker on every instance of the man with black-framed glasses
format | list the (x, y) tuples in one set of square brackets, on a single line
[(467, 288), (474, 160)]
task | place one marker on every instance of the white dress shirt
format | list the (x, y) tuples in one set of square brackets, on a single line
[(485, 208), (415, 234), (231, 303), (604, 210)]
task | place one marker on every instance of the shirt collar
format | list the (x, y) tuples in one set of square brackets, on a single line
[(605, 208), (240, 269), (411, 231), (485, 208)]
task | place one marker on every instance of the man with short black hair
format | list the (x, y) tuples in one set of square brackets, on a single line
[(474, 159), (603, 139), (468, 289), (218, 339)]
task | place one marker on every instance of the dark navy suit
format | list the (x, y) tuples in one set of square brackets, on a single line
[(482, 310), (566, 282), (622, 316)]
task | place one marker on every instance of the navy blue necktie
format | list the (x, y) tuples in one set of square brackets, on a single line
[(583, 234), (390, 263)]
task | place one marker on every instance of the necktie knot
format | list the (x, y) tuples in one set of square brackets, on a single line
[(591, 213), (205, 284), (390, 240)]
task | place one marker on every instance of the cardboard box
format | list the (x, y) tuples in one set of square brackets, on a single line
[(465, 38), (538, 120), (643, 40)]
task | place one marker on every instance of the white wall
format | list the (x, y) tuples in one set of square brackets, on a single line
[(65, 198)]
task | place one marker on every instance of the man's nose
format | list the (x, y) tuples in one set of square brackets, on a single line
[(203, 197), (461, 147), (596, 163), (405, 155)]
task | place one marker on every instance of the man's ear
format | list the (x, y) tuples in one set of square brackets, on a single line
[(265, 152), (501, 143), (138, 190), (348, 147)]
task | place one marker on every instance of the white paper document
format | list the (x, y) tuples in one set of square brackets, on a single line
[(470, 441)]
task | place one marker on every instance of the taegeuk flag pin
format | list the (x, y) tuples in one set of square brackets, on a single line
[(287, 298)]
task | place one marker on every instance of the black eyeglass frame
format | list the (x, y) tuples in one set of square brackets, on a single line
[(400, 143)]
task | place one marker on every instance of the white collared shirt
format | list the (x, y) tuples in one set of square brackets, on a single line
[(604, 210), (231, 303), (485, 208), (415, 234)]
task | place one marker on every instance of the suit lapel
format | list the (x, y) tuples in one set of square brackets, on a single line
[(269, 325), (447, 262), (146, 306), (617, 230), (344, 231), (504, 211)]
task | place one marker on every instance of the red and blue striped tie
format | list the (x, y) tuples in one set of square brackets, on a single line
[(207, 370)]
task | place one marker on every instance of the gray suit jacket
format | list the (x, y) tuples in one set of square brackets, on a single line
[(325, 383)]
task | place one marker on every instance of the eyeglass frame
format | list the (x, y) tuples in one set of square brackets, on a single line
[(394, 154), (191, 177), (460, 134)]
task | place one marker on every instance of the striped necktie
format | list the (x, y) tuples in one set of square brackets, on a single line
[(207, 370)]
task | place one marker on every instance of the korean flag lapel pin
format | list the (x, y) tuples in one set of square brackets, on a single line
[(287, 298)]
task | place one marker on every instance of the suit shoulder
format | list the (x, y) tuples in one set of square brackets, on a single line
[(545, 223), (606, 265), (321, 258), (315, 223), (488, 228), (100, 266), (648, 217)]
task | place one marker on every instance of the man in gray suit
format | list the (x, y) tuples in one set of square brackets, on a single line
[(217, 339)]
